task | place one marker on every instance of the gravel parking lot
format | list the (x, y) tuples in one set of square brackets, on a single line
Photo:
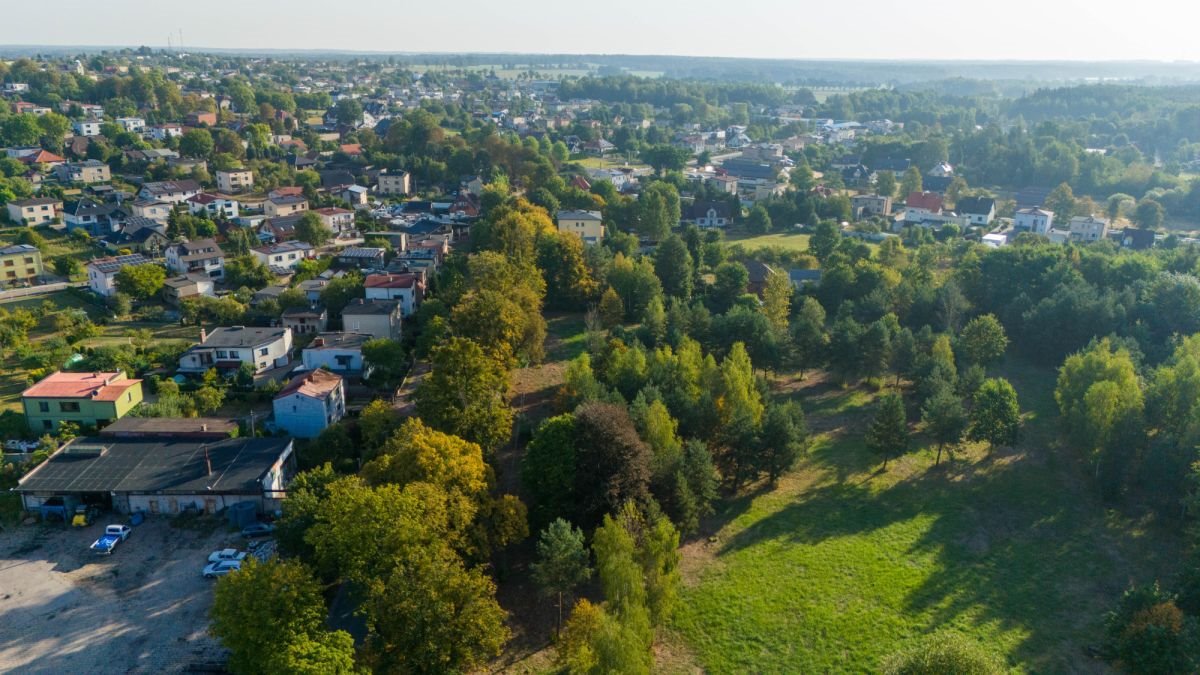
[(144, 609)]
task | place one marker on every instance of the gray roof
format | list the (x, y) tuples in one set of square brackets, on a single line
[(242, 336), (579, 215), (361, 307), (338, 341), (17, 249), (166, 465), (975, 205), (360, 252)]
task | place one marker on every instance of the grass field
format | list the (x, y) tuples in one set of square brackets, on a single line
[(842, 564), (592, 162), (792, 241)]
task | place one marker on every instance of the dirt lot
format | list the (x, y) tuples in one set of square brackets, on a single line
[(144, 609)]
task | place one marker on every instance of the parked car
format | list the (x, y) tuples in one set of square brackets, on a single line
[(220, 569), (226, 554), (113, 535), (21, 446), (258, 530)]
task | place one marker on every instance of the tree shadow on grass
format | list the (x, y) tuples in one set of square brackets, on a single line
[(1012, 549)]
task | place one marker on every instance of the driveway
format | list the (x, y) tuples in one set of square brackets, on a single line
[(144, 609)]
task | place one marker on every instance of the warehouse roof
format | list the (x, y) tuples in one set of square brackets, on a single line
[(166, 465)]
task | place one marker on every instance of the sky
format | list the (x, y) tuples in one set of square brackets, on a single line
[(1160, 30)]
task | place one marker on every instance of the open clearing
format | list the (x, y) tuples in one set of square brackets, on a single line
[(792, 241), (841, 563), (144, 609)]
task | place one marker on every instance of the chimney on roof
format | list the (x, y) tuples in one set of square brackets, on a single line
[(203, 335)]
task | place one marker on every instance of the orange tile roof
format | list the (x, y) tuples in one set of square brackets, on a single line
[(96, 386), (316, 384)]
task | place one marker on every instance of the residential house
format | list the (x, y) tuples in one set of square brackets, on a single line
[(1035, 220), (88, 171), (162, 132), (20, 262), (408, 288), (134, 125), (711, 214), (42, 158), (871, 205), (306, 320), (216, 207), (313, 288), (153, 209), (100, 219), (195, 119), (338, 352), (1088, 228), (284, 255), (170, 191), (190, 285), (472, 184), (139, 235), (724, 184), (923, 203), (338, 220), (86, 399), (398, 183), (202, 255), (361, 257), (86, 128), (354, 195), (980, 210), (758, 273), (35, 211), (280, 229), (235, 180), (102, 272), (229, 347), (284, 205), (310, 403), (377, 318), (587, 225)]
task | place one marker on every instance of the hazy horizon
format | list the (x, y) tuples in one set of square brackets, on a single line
[(1022, 30)]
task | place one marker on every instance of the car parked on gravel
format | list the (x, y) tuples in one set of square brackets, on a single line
[(220, 569), (226, 554)]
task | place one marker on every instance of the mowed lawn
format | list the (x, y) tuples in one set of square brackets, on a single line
[(841, 564)]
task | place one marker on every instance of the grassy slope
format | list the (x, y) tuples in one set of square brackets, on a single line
[(841, 563), (793, 241)]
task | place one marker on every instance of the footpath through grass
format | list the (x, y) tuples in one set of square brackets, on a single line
[(841, 563)]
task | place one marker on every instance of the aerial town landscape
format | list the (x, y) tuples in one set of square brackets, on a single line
[(395, 362)]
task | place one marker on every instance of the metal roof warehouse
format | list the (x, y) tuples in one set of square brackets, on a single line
[(162, 474)]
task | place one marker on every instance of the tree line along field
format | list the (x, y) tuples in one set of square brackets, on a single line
[(841, 563)]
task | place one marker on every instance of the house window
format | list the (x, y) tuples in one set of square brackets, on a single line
[(44, 406), (47, 425), (264, 351), (222, 355), (68, 406), (9, 263)]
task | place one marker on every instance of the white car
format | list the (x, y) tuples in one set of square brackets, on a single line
[(220, 569), (226, 554)]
